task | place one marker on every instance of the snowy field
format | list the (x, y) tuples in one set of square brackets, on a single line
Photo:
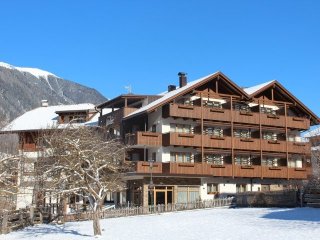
[(218, 223)]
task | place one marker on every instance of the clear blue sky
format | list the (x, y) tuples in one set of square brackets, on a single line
[(108, 44)]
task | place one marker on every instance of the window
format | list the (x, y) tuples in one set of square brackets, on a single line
[(212, 104), (242, 107), (212, 188), (154, 156), (268, 110), (243, 160), (270, 136), (240, 188), (217, 132), (154, 128), (181, 157), (242, 133), (181, 128), (295, 162), (270, 161), (214, 159)]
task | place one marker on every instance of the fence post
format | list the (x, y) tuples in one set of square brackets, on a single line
[(4, 227), (21, 220), (40, 216), (31, 215)]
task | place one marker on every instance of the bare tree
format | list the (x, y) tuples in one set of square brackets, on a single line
[(10, 163), (83, 161)]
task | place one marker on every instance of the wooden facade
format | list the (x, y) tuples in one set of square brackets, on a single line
[(212, 129)]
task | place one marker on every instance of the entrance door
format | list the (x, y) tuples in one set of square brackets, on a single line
[(161, 195)]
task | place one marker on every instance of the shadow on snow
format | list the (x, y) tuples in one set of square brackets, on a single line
[(39, 230), (297, 214)]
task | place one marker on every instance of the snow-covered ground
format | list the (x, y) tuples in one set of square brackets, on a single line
[(218, 223)]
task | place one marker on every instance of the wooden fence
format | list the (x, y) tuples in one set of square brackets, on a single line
[(156, 209), (17, 219), (13, 220)]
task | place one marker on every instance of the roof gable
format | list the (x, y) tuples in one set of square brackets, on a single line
[(169, 96), (280, 92)]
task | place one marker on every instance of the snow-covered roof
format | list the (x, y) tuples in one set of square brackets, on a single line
[(167, 95), (46, 117), (38, 73), (256, 88), (312, 133)]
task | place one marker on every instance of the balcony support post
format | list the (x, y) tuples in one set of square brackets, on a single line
[(260, 133), (202, 148), (286, 129), (232, 137)]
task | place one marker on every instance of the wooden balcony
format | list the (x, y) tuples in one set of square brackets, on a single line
[(299, 147), (144, 139), (245, 117), (246, 144), (194, 112), (116, 116), (197, 169), (182, 139), (253, 171), (194, 140), (216, 114), (299, 173), (144, 167), (298, 123), (273, 146), (207, 169), (224, 115), (216, 142), (274, 172), (182, 111), (273, 120)]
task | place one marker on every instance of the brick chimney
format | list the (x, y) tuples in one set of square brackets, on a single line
[(182, 79), (171, 88)]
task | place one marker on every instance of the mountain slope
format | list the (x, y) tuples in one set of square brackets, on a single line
[(22, 89)]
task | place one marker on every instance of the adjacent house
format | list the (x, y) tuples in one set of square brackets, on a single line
[(210, 137), (29, 127)]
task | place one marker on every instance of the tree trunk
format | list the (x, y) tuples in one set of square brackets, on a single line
[(96, 222)]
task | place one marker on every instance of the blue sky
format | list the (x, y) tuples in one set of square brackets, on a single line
[(145, 43)]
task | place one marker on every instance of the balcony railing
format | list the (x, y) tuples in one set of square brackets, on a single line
[(224, 115), (247, 144), (274, 172), (144, 139), (299, 147), (226, 170), (298, 123), (144, 167)]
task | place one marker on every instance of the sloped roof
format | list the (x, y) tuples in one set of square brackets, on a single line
[(253, 89), (312, 133), (46, 117), (167, 96)]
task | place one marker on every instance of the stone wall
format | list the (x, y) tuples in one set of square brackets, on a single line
[(286, 198)]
